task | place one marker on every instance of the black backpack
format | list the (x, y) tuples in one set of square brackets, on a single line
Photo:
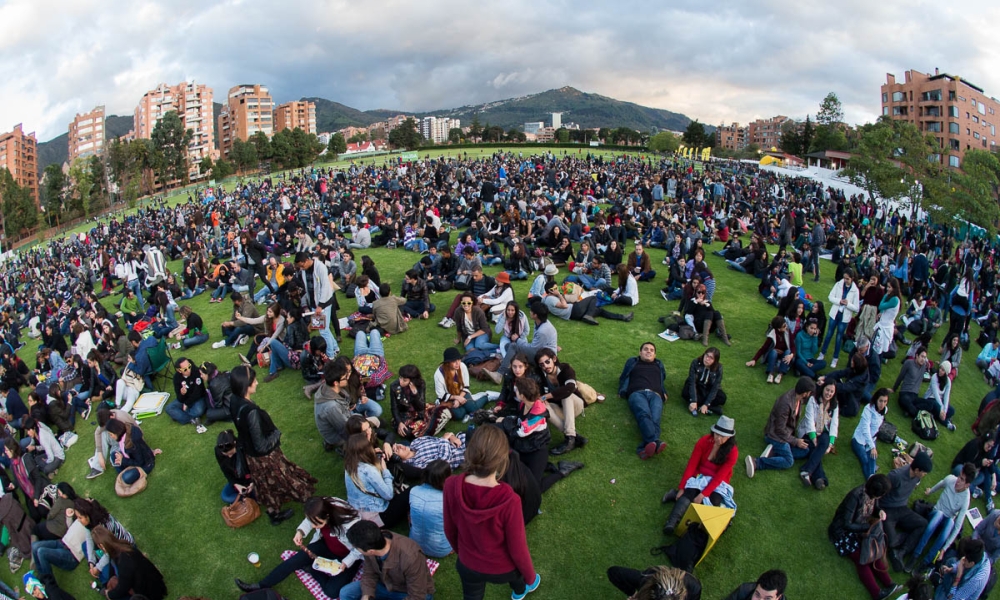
[(685, 552), (924, 426)]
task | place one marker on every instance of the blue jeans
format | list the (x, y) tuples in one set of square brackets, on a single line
[(518, 275), (52, 553), (868, 464), (417, 245), (279, 356), (188, 294), (369, 409), (352, 591), (833, 326), (332, 347), (481, 342), (587, 281), (177, 412), (261, 294), (774, 365), (233, 333), (783, 456), (936, 520), (370, 344), (221, 291), (814, 461), (229, 493), (136, 287), (194, 340), (471, 405), (809, 368), (647, 408)]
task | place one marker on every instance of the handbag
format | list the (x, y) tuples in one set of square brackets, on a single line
[(873, 544), (317, 322), (133, 380), (263, 359), (241, 512), (462, 281), (124, 490)]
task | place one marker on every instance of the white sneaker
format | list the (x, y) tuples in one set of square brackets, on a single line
[(449, 324), (443, 322), (664, 294), (767, 451), (833, 364), (242, 340), (751, 466), (219, 344)]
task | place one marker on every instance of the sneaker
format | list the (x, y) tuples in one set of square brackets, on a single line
[(806, 480), (989, 505), (466, 419), (94, 473), (450, 323), (219, 344), (648, 451), (176, 346), (664, 294), (86, 412), (751, 467), (770, 378), (950, 425), (443, 322), (200, 428), (767, 451), (15, 558), (976, 492), (819, 356), (777, 378), (660, 447), (244, 359), (833, 364), (242, 340), (528, 588)]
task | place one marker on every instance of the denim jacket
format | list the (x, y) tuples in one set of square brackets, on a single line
[(378, 489)]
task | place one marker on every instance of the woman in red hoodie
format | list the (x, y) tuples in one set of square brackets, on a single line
[(483, 521), (707, 474)]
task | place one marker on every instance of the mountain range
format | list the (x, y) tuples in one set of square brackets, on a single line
[(585, 109)]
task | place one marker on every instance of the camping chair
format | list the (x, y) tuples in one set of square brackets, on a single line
[(162, 362)]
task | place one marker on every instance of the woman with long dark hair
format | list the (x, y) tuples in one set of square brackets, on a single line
[(702, 389), (707, 474), (512, 325), (277, 479), (369, 483), (135, 574), (858, 512), (327, 519)]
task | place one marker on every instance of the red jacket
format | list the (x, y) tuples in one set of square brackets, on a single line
[(485, 527), (699, 464)]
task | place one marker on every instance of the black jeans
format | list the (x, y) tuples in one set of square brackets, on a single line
[(397, 511), (474, 582), (331, 584), (903, 528), (536, 462)]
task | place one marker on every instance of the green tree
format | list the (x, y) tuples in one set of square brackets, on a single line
[(82, 182), (664, 142), (262, 145), (831, 111), (791, 138), (695, 136), (337, 145), (807, 135), (562, 135), (604, 134), (475, 130), (19, 211), (244, 155), (455, 135), (356, 138), (98, 175), (53, 192), (406, 135), (205, 166), (170, 143), (222, 169), (891, 163), (973, 191)]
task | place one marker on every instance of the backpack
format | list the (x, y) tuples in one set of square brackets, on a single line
[(686, 332), (924, 426), (887, 433), (685, 552)]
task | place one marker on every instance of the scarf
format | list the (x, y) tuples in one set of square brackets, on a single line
[(21, 474)]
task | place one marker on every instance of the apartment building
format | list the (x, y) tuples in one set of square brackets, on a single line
[(731, 137), (19, 155), (436, 128), (86, 135), (766, 133), (193, 104), (301, 114), (248, 109), (533, 127), (958, 114)]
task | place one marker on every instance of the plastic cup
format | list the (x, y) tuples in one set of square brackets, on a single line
[(254, 559)]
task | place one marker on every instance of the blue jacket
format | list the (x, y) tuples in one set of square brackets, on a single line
[(806, 346), (378, 489), (627, 372), (427, 521), (143, 366)]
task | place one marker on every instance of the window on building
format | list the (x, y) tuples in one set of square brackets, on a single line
[(885, 110), (975, 119), (931, 96), (953, 128), (993, 130), (934, 126), (934, 158), (898, 111), (953, 111), (953, 161), (932, 111), (885, 97), (973, 103), (951, 95), (975, 134), (955, 144), (981, 108), (898, 97)]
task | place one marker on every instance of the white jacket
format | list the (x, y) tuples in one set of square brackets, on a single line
[(853, 301), (809, 420)]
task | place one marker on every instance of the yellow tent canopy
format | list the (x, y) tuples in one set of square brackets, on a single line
[(769, 160), (714, 519)]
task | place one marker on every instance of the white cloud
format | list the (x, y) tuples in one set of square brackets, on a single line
[(717, 61)]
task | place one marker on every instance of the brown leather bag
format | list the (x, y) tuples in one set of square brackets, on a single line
[(476, 371), (241, 512)]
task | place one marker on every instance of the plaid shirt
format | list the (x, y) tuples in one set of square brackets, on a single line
[(429, 448)]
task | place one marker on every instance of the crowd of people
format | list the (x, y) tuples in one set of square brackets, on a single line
[(284, 253)]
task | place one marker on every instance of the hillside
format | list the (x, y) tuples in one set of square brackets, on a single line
[(586, 110), (331, 116)]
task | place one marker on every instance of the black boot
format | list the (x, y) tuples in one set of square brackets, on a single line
[(246, 587), (581, 441), (676, 515), (280, 517), (567, 446), (565, 467), (607, 314), (670, 496)]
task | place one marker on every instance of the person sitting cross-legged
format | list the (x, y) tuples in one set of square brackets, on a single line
[(394, 566), (783, 446), (641, 383), (191, 397)]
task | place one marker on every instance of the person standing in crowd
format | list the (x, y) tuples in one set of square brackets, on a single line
[(844, 300)]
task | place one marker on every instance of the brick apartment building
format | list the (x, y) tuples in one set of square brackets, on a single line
[(248, 109), (193, 104), (731, 137), (766, 133), (958, 114), (86, 135), (19, 155), (301, 114)]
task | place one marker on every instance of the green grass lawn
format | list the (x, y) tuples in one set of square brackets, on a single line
[(609, 513)]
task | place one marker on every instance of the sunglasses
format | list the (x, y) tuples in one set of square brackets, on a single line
[(466, 304), (545, 361)]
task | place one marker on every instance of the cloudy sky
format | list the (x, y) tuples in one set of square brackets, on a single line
[(715, 60)]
